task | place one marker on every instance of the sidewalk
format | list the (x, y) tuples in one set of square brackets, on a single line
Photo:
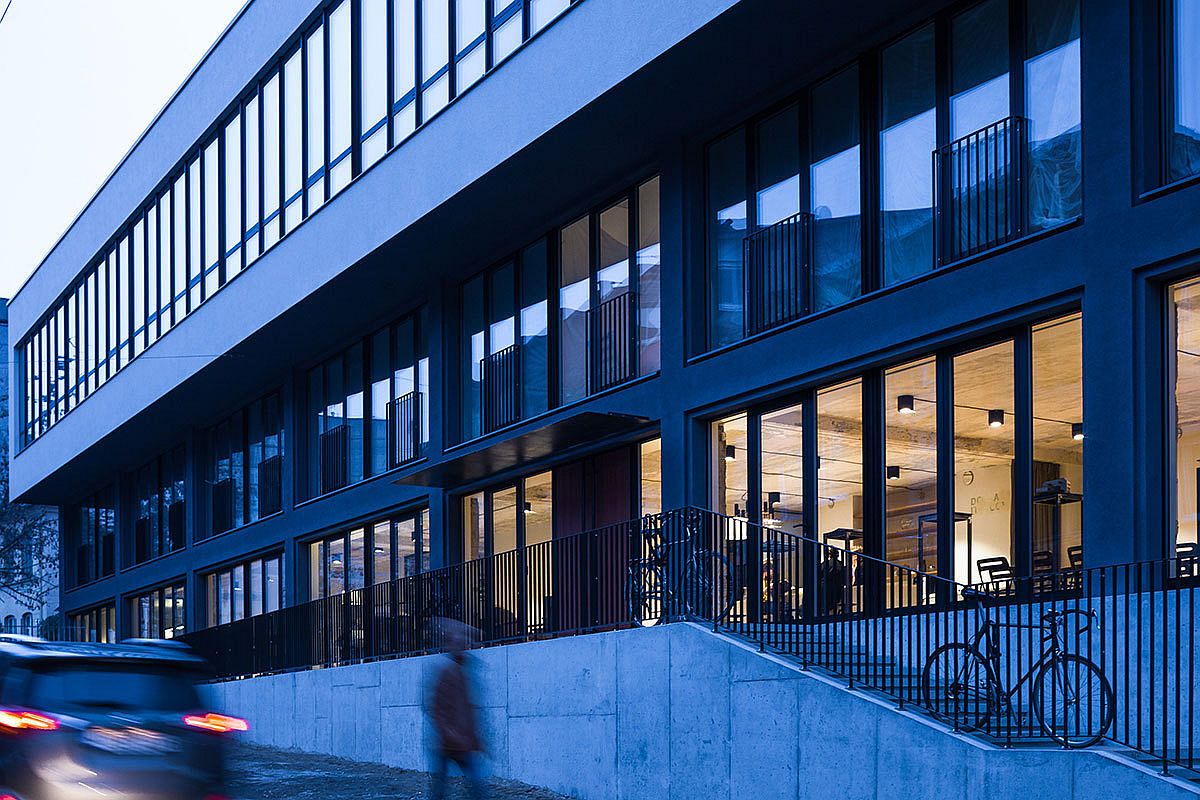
[(261, 773)]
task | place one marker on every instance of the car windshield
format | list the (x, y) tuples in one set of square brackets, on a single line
[(90, 686)]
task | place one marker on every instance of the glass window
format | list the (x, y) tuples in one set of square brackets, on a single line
[(138, 298), (504, 520), (731, 481), (179, 246), (435, 56), (152, 281), (650, 475), (211, 166), (910, 471), (373, 52), (293, 138), (381, 546), (473, 527), (839, 501), (406, 547), (574, 301), (340, 92), (252, 227), (984, 442), (314, 181), (195, 223), (469, 41), (726, 231), (1052, 106), (1058, 443), (1184, 157), (835, 186), (272, 155), (782, 469), (535, 341), (233, 197), (907, 138), (507, 19), (404, 67), (543, 12), (978, 68), (649, 266)]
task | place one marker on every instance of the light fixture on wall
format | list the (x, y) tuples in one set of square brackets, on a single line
[(1077, 431), (528, 507), (996, 418), (906, 404), (730, 453), (893, 472)]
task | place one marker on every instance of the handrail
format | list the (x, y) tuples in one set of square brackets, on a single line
[(777, 263)]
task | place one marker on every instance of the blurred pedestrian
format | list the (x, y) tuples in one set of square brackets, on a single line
[(455, 725)]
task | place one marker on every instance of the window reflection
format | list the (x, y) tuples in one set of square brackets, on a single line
[(1185, 138), (731, 458), (1052, 105), (726, 229), (1187, 413), (835, 203), (1058, 443)]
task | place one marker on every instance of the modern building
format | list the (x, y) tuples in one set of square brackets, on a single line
[(395, 284)]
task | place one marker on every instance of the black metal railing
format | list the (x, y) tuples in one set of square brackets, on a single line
[(501, 373), (334, 453), (404, 422), (612, 329), (221, 505), (777, 264), (270, 486), (980, 190), (1073, 657)]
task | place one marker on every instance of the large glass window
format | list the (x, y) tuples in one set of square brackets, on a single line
[(984, 446), (252, 227), (726, 223), (404, 68), (89, 538), (435, 56), (161, 511), (835, 187), (340, 92), (1184, 121), (1186, 430), (1052, 106), (293, 138), (908, 135), (378, 552), (470, 51), (314, 129), (373, 65), (911, 468), (232, 141), (94, 625), (245, 466), (574, 301), (272, 161), (244, 590), (341, 447), (731, 476), (1058, 443), (159, 614)]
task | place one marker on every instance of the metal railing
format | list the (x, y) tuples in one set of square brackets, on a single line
[(334, 453), (404, 423), (270, 486), (1068, 658), (980, 190), (612, 328), (777, 263), (501, 389)]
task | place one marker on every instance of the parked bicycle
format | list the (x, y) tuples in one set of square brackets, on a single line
[(1070, 696), (677, 576)]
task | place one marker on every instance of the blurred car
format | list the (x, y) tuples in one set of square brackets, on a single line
[(83, 720)]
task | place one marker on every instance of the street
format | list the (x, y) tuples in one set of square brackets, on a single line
[(261, 773)]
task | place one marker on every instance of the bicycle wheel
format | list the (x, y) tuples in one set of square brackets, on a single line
[(644, 595), (956, 685), (707, 588), (1073, 701)]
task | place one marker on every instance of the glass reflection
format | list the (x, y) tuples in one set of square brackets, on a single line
[(1058, 443)]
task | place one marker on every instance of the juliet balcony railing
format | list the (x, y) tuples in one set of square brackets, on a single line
[(980, 190), (777, 273), (613, 351), (1087, 655), (270, 486), (404, 424), (501, 389), (334, 454)]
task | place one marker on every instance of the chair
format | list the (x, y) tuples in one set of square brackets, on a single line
[(994, 571), (1075, 556), (1186, 555), (1043, 561)]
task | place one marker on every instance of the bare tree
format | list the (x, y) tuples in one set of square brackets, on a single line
[(28, 540)]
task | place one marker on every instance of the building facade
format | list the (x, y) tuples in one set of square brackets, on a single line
[(393, 284)]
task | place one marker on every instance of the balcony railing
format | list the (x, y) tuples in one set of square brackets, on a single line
[(777, 264), (404, 422), (221, 508), (270, 486), (612, 329), (334, 452), (501, 389), (980, 190)]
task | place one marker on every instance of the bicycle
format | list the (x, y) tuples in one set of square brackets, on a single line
[(701, 587), (1071, 697)]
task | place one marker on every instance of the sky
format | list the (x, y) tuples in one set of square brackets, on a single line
[(80, 80)]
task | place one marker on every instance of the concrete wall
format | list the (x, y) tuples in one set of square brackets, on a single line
[(671, 712)]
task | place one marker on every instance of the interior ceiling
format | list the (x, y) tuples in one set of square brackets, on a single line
[(983, 381), (1187, 357)]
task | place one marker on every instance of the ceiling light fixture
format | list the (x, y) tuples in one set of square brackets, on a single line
[(906, 404), (996, 418), (1077, 431), (730, 453), (893, 473)]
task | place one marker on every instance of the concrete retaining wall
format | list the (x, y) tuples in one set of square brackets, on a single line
[(670, 712)]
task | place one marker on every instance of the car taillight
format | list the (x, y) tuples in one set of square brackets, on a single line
[(217, 723), (17, 720)]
